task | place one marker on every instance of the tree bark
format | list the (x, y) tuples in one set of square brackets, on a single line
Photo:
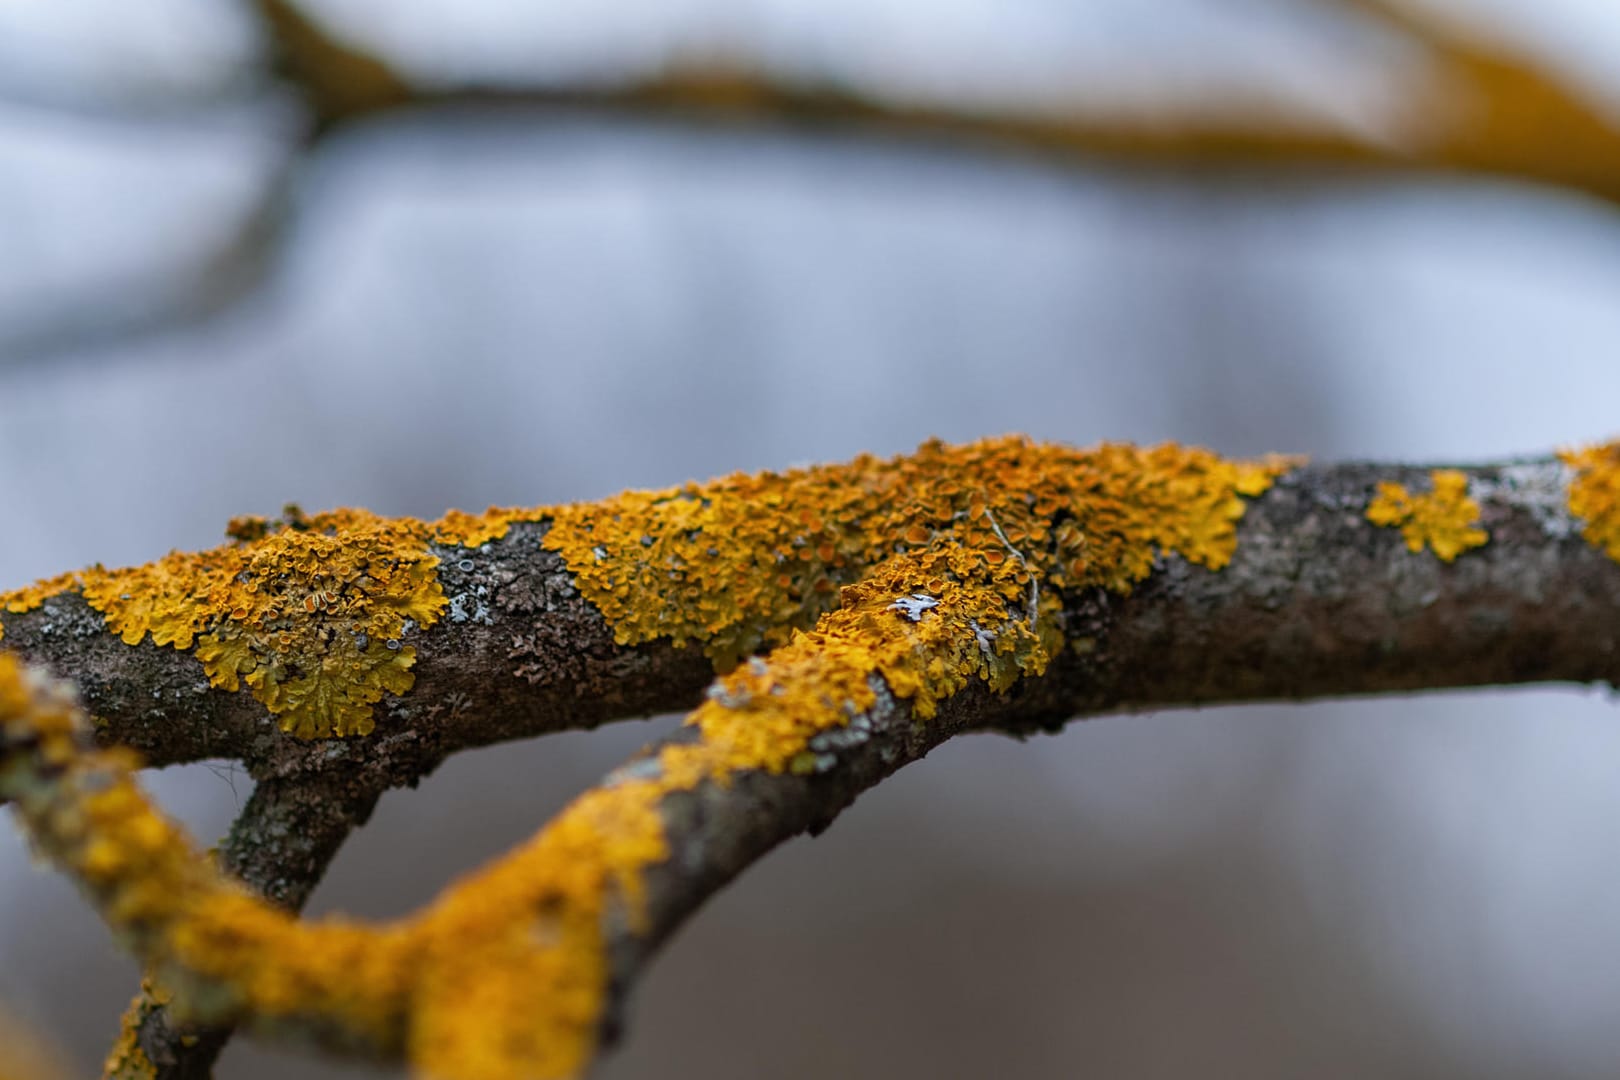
[(1317, 599)]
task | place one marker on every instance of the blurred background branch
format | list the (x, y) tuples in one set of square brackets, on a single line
[(1480, 106)]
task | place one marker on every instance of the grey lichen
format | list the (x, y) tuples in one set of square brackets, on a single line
[(1541, 489)]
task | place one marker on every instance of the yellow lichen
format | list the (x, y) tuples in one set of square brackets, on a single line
[(958, 552), (744, 561), (190, 923), (127, 1060), (915, 576), (307, 612), (1594, 494), (1445, 519), (475, 530)]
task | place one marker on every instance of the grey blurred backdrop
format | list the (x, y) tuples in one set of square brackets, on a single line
[(480, 311)]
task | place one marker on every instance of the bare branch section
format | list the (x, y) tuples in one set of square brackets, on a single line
[(1483, 109), (1004, 586)]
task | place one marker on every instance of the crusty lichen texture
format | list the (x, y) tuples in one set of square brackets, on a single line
[(310, 613), (899, 580), (920, 574), (1594, 494), (748, 560), (1444, 518), (127, 1060), (221, 950)]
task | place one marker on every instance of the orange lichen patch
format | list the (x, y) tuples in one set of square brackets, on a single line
[(230, 954), (514, 971), (309, 616), (944, 568), (475, 530), (29, 597), (81, 806), (226, 953), (503, 995), (1594, 494), (745, 561), (1445, 519), (308, 612), (127, 1060)]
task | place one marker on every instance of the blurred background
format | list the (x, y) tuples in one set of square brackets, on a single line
[(208, 309)]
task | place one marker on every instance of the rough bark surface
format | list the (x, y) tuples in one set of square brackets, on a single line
[(519, 653), (1317, 600)]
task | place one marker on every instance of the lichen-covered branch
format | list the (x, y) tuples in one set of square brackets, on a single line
[(279, 846), (477, 628), (507, 975), (861, 614), (502, 645)]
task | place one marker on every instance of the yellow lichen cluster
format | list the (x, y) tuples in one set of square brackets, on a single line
[(127, 1060), (198, 930), (1445, 519), (744, 561), (1594, 494), (475, 530), (926, 573), (29, 597), (307, 612), (958, 550), (513, 954)]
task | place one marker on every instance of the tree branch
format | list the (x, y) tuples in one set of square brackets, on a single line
[(280, 847), (522, 650), (1003, 586), (519, 653), (340, 81), (1483, 108)]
